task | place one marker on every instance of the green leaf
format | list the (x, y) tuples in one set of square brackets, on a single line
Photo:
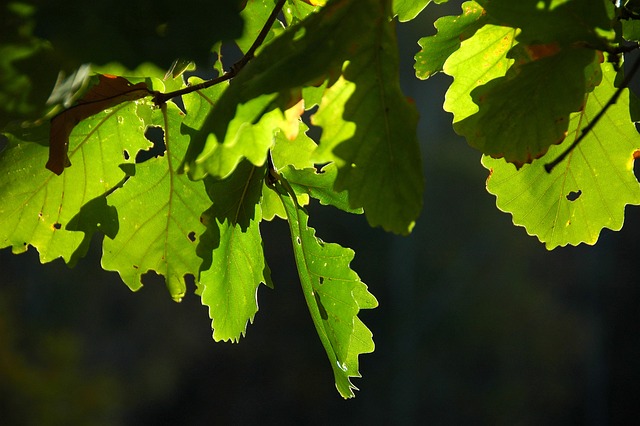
[(231, 278), (198, 104), (254, 15), (319, 185), (334, 295), (523, 113), (479, 60), (406, 10), (272, 81), (296, 152), (585, 193), (631, 30), (369, 131), (452, 30), (566, 22), (287, 152), (158, 215), (249, 136), (36, 205), (296, 10)]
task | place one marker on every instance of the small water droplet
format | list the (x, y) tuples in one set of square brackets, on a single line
[(342, 366), (108, 111), (120, 119)]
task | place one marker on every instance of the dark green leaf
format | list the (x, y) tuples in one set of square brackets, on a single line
[(369, 131)]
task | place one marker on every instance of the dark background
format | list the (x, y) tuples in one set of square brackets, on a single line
[(478, 323)]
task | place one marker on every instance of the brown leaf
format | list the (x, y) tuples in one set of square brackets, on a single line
[(110, 91)]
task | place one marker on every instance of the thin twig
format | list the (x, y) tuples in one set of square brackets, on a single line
[(585, 131), (161, 98)]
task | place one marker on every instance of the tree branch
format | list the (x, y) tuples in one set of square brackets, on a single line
[(160, 98)]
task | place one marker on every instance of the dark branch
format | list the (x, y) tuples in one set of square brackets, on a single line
[(585, 131), (161, 98)]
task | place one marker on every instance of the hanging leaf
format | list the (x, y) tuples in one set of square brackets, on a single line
[(369, 131), (333, 292), (232, 248), (585, 193)]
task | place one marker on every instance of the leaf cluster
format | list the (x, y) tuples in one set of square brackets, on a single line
[(178, 169)]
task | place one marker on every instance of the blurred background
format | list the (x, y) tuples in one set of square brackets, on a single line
[(478, 323)]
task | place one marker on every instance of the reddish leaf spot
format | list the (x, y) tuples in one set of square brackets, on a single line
[(539, 51), (109, 92)]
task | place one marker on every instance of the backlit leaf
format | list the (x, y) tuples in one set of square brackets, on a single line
[(232, 248), (36, 205), (517, 118), (334, 295), (260, 88), (585, 193), (369, 131), (319, 185), (480, 59), (452, 30), (158, 215), (406, 10)]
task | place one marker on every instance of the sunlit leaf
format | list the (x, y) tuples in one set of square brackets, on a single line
[(109, 92), (232, 247), (480, 59), (334, 295), (319, 184), (452, 30), (585, 193), (369, 131), (517, 118), (341, 24), (406, 10), (158, 215), (36, 205)]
